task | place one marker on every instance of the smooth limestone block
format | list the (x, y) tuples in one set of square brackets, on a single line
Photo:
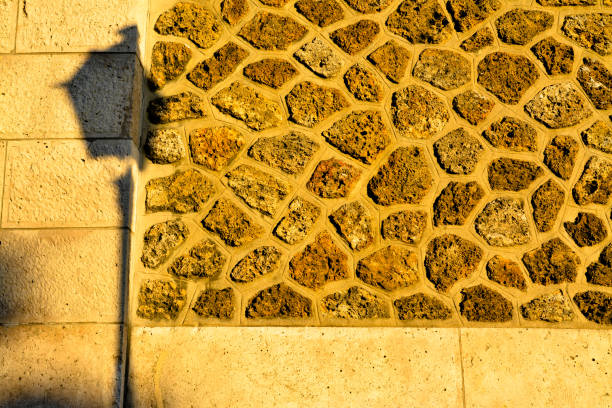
[(8, 19), (60, 366), (55, 276), (294, 367)]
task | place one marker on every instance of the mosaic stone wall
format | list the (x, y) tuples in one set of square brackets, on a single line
[(376, 162)]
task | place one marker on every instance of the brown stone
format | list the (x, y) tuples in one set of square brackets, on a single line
[(519, 26), (553, 263), (503, 223), (422, 307), (391, 59), (363, 84), (600, 272), (234, 10), (473, 106), (160, 240), (310, 103), (468, 13), (318, 56), (215, 69), (274, 3), (443, 69), (512, 174), (551, 307), (556, 57), (506, 272), (231, 224), (368, 6), (595, 183), (191, 21), (405, 226), (355, 303), (214, 148), (458, 152), (289, 153), (560, 155), (164, 146), (278, 301), (481, 304), (273, 72), (354, 225), (596, 80), (586, 230), (261, 261), (185, 105), (450, 258), (418, 113), (480, 39), (204, 260), (161, 299), (182, 192), (507, 76), (547, 202), (215, 303), (558, 106), (259, 190), (599, 136), (333, 179), (320, 12), (420, 22), (168, 61), (456, 202), (390, 268), (561, 3), (591, 31), (595, 306), (268, 31), (298, 222), (355, 37), (512, 134)]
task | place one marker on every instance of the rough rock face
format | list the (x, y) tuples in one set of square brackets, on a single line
[(176, 107), (455, 203), (595, 306), (405, 226), (547, 201), (261, 261), (481, 304), (458, 152), (320, 58), (595, 183), (586, 230), (554, 262), (506, 272), (310, 103), (420, 22), (268, 31), (512, 134), (480, 39), (389, 268), (164, 146), (273, 72), (556, 57), (278, 301), (260, 190), (503, 223), (248, 105), (450, 258), (355, 303), (362, 84), (512, 174), (600, 272), (215, 303), (191, 21), (519, 26), (234, 10), (274, 3), (472, 106), (552, 307), (318, 263), (354, 225), (442, 68), (355, 37), (161, 299), (182, 192), (560, 156), (403, 179), (361, 134), (596, 80), (421, 306), (231, 224), (168, 61), (215, 148), (320, 12), (368, 6), (204, 260), (591, 31), (333, 179), (599, 136), (560, 3), (507, 76), (289, 153), (160, 240), (558, 106), (298, 222), (418, 113), (215, 69), (391, 59), (468, 13)]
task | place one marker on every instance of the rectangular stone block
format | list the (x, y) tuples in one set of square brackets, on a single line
[(69, 96), (294, 367), (8, 19), (68, 183), (60, 366), (57, 276), (537, 367)]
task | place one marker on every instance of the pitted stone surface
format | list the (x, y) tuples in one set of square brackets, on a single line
[(550, 307), (278, 301), (482, 304), (418, 113), (248, 105), (310, 103), (233, 11), (456, 202), (599, 136), (260, 190), (191, 21), (231, 224), (556, 57), (289, 153), (553, 263), (480, 39), (215, 69), (355, 303), (168, 61), (560, 156), (362, 84), (547, 201), (273, 72), (355, 37), (214, 148), (160, 240), (368, 6), (164, 146), (591, 31), (559, 106), (320, 12), (595, 306), (450, 258), (586, 230), (503, 223), (215, 303), (506, 272), (405, 226), (519, 26), (421, 307), (512, 174), (468, 13), (596, 80), (595, 182), (259, 262), (507, 76), (473, 106), (600, 271), (182, 192), (185, 105), (297, 224), (333, 178), (354, 225), (389, 268), (320, 58), (318, 263), (458, 152), (391, 59), (204, 260), (420, 22), (160, 299), (442, 68), (512, 134), (268, 31)]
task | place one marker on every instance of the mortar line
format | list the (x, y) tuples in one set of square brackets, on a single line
[(462, 369)]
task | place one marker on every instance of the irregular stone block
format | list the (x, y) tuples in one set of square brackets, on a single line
[(234, 10), (481, 304), (595, 183), (182, 192), (512, 134), (507, 76), (595, 306), (596, 80), (310, 103), (598, 136), (390, 268), (558, 106), (161, 299), (164, 146), (214, 148), (204, 260), (586, 230), (391, 59), (473, 106), (355, 37), (185, 105), (468, 13), (519, 26), (191, 21), (231, 224), (590, 31), (274, 3), (506, 272), (333, 179), (168, 62), (368, 6), (512, 174), (418, 113), (289, 153), (215, 69), (273, 72), (320, 58), (450, 258), (480, 39), (458, 152), (547, 201), (298, 222), (258, 189), (320, 12), (420, 22), (560, 156), (552, 307), (363, 84), (553, 263), (278, 301), (456, 202), (443, 69), (421, 307), (160, 240), (600, 272), (556, 57), (503, 223), (215, 303), (319, 263), (355, 303), (267, 31), (259, 262), (405, 226), (354, 225)]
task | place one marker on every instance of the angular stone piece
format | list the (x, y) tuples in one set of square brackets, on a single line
[(420, 22), (472, 106), (214, 148), (391, 59), (480, 39), (215, 69), (595, 306), (320, 262), (458, 152), (503, 223), (591, 31), (363, 84), (519, 26), (234, 10), (481, 304), (185, 105), (168, 61), (558, 106), (595, 183), (390, 268), (512, 174), (164, 146), (506, 272), (333, 179), (259, 262), (278, 301), (161, 299), (586, 230), (289, 153), (421, 307), (468, 13), (298, 222), (547, 201), (355, 303), (215, 303), (273, 72), (599, 136), (600, 272), (556, 57), (160, 240), (320, 58), (354, 225), (320, 12), (191, 21), (560, 155), (267, 31), (553, 263), (552, 307), (418, 113), (355, 37), (310, 103), (512, 134), (456, 202), (368, 6), (258, 189), (231, 224), (450, 258), (250, 106), (507, 76), (443, 68), (182, 192), (596, 80), (405, 226), (204, 260)]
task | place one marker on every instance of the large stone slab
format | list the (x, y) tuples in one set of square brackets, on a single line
[(8, 20)]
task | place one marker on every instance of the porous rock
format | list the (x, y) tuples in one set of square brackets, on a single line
[(214, 148), (552, 263), (556, 57), (233, 11), (595, 306), (596, 80), (289, 153), (355, 37), (391, 59), (390, 268), (558, 106), (215, 303), (519, 26), (595, 182), (185, 105), (268, 31), (560, 155), (600, 272), (164, 146), (355, 303), (278, 301), (320, 58), (503, 223), (506, 272), (363, 84), (480, 39), (450, 258), (248, 105), (418, 113), (472, 106), (368, 6), (261, 261), (586, 230), (507, 76), (160, 240), (599, 136), (421, 307), (406, 226), (420, 22), (160, 299), (468, 13), (333, 178), (231, 224), (512, 174), (273, 72), (561, 3), (512, 134), (215, 69), (589, 30), (443, 68), (318, 263), (458, 152), (547, 201), (320, 12), (552, 307), (182, 192), (203, 260), (456, 202), (354, 225), (168, 61), (310, 103), (482, 304), (259, 190), (191, 21), (298, 222)]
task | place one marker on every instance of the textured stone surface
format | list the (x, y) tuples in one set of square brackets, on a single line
[(191, 21), (161, 299), (320, 12), (519, 26), (561, 3), (214, 148), (318, 263), (320, 58), (551, 307), (591, 31), (503, 223), (420, 22), (215, 303), (268, 31), (450, 258), (160, 240), (231, 224), (554, 262), (405, 226), (168, 61), (185, 105), (248, 105), (355, 303), (506, 272), (203, 260), (455, 203), (164, 146), (274, 3), (512, 134), (512, 174), (595, 183), (278, 301), (355, 37), (354, 224), (480, 39), (362, 84), (560, 155), (595, 306), (418, 113), (547, 201), (468, 13), (310, 103), (558, 106), (600, 272), (482, 304), (507, 76), (298, 222), (274, 72), (260, 190), (586, 230), (368, 6), (181, 192), (473, 106), (421, 307), (556, 57), (458, 152), (598, 136), (289, 153), (234, 10), (596, 80), (442, 68), (219, 66), (333, 178), (261, 261), (391, 59), (390, 268)]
